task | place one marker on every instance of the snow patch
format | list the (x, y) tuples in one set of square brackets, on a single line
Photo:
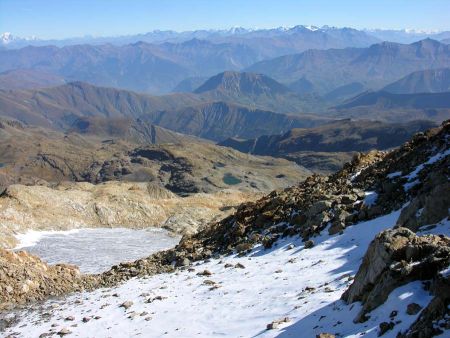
[(31, 237), (394, 175), (433, 159), (371, 198)]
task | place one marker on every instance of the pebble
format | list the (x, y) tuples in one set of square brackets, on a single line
[(126, 305)]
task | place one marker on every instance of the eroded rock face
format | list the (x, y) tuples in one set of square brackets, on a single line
[(396, 257)]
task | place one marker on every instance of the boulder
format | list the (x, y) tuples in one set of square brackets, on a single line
[(336, 228), (319, 207), (309, 244), (394, 258), (385, 327), (413, 309)]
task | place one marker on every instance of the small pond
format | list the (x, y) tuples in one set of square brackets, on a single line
[(230, 179)]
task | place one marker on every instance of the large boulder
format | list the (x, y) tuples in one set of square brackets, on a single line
[(396, 257)]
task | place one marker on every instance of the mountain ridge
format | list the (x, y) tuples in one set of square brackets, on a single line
[(375, 66), (426, 81)]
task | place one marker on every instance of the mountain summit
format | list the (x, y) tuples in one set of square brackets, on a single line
[(243, 83)]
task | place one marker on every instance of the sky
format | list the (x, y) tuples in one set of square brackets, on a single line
[(73, 18)]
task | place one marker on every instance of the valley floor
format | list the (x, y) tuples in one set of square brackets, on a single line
[(295, 288)]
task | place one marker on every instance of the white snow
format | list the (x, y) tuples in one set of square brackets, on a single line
[(31, 237), (412, 176), (442, 227), (272, 286), (395, 174), (371, 198), (355, 175), (433, 159)]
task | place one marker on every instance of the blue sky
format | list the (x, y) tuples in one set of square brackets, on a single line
[(70, 18)]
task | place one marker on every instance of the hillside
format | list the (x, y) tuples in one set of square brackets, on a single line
[(28, 79), (256, 91), (189, 84), (374, 238), (426, 81), (219, 120), (374, 67), (395, 107), (61, 107), (181, 164), (58, 107), (326, 148)]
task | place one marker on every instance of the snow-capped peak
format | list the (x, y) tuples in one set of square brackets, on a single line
[(312, 28), (6, 37)]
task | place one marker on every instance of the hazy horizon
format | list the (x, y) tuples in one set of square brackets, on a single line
[(58, 20)]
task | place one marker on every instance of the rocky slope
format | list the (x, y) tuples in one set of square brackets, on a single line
[(326, 224)]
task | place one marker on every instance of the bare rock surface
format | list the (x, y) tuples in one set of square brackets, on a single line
[(394, 258)]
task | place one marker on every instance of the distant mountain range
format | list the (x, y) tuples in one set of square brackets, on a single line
[(406, 35), (425, 81), (160, 36), (296, 36), (334, 73), (141, 66), (373, 67)]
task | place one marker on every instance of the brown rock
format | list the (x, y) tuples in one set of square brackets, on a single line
[(385, 327), (325, 335), (127, 304), (309, 244), (204, 273), (64, 332), (413, 309)]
